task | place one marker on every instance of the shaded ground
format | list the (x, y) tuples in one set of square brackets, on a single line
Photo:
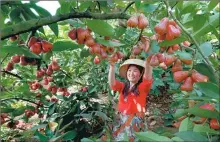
[(157, 106)]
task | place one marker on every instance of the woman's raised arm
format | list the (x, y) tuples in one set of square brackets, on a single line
[(148, 71), (111, 75)]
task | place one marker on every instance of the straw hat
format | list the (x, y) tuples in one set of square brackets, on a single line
[(124, 67)]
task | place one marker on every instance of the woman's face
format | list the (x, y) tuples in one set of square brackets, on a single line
[(133, 74)]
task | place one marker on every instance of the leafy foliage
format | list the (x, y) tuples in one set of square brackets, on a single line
[(47, 114)]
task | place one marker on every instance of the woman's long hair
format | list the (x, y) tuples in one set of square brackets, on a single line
[(134, 89)]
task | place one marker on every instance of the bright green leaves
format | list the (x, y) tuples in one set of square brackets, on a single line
[(204, 129), (109, 43), (186, 125), (14, 15), (212, 5), (188, 7), (154, 46), (191, 136), (151, 136), (203, 112), (64, 6), (206, 48), (100, 27), (44, 13), (213, 22), (62, 45), (184, 55), (209, 89), (66, 136), (20, 50), (148, 8), (172, 42), (200, 20), (85, 5), (205, 70)]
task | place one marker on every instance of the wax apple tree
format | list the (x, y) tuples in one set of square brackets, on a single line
[(54, 68)]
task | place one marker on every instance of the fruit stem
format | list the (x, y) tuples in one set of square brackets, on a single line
[(192, 39)]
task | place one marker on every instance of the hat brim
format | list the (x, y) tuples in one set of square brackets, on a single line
[(124, 67)]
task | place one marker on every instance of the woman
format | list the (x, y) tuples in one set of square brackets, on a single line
[(132, 98)]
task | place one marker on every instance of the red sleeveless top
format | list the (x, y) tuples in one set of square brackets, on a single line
[(132, 104)]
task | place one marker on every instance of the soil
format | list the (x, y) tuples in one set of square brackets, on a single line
[(156, 107)]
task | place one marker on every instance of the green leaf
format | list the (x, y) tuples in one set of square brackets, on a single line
[(86, 140), (206, 48), (203, 112), (69, 135), (64, 6), (102, 115), (179, 113), (86, 4), (7, 110), (212, 4), (28, 11), (213, 22), (119, 31), (46, 56), (51, 109), (2, 23), (148, 8), (54, 28), (137, 4), (38, 127), (172, 42), (44, 13), (205, 70), (209, 89), (20, 50), (92, 89), (188, 7), (186, 125), (75, 23), (158, 82), (204, 129), (191, 136), (42, 137), (151, 136), (198, 21), (84, 53), (14, 15), (62, 45), (184, 55), (177, 139), (109, 43), (100, 27), (154, 46)]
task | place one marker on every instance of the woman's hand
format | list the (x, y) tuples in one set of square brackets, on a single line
[(111, 74), (148, 70)]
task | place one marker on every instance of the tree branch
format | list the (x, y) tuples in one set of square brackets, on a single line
[(6, 2), (4, 58), (26, 100), (30, 25), (15, 75), (126, 8), (192, 39)]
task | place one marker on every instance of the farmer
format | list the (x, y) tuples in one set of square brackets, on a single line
[(132, 98)]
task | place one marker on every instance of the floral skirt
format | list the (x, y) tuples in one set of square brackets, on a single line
[(127, 125)]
